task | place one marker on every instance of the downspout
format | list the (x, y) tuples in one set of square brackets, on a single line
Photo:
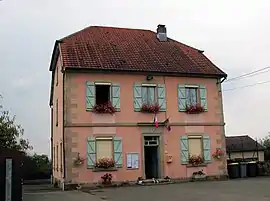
[(52, 161)]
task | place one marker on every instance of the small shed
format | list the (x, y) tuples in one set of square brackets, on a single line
[(244, 147)]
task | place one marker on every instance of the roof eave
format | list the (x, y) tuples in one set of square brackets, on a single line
[(53, 63), (110, 71)]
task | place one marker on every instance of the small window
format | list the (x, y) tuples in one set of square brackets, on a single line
[(102, 94), (56, 75), (104, 148), (61, 157), (192, 96), (195, 146), (57, 157), (54, 157), (149, 95), (56, 113)]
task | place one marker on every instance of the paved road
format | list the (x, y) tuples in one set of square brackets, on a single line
[(234, 190)]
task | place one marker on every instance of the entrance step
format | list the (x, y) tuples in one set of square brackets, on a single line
[(154, 181)]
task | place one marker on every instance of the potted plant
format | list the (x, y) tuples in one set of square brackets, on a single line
[(218, 153), (196, 160), (105, 163), (104, 108), (150, 108), (78, 160), (194, 109), (198, 175), (107, 179)]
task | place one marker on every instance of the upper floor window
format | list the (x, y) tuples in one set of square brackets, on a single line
[(192, 95), (56, 113), (149, 95), (56, 75), (102, 93)]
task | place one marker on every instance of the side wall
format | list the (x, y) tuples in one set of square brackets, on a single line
[(57, 123)]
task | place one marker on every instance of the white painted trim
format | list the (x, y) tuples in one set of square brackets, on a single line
[(103, 83), (149, 85)]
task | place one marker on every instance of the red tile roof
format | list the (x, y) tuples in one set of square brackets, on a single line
[(122, 49)]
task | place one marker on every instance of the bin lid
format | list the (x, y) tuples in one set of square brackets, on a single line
[(243, 163), (233, 164), (252, 162)]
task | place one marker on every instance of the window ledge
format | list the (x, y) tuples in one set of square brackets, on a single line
[(104, 169), (200, 165)]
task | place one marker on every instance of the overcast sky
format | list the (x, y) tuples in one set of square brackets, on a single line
[(235, 35)]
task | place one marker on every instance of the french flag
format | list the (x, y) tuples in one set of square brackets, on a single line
[(156, 121)]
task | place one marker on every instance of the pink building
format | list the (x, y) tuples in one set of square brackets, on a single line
[(145, 101)]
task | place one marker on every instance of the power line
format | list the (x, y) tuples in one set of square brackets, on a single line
[(253, 73), (251, 85)]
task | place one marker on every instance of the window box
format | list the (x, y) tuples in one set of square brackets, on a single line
[(104, 108), (194, 109), (105, 169), (150, 108)]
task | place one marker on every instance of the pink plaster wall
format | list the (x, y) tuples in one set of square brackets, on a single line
[(132, 136)]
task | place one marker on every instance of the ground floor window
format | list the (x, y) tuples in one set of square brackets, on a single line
[(104, 148), (195, 145)]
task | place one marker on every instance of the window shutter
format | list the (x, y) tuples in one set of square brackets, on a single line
[(207, 149), (91, 152), (90, 95), (181, 98), (203, 97), (184, 149), (162, 97), (115, 96), (137, 92), (117, 145)]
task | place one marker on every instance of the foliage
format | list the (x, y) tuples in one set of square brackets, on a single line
[(11, 134), (105, 163), (36, 167), (104, 108), (150, 108)]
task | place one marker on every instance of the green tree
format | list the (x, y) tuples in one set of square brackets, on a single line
[(266, 143), (11, 134)]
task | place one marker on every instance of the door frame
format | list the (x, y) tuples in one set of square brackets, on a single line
[(160, 152)]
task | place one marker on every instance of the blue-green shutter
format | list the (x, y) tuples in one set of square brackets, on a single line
[(115, 96), (91, 152), (90, 95), (137, 93), (117, 145), (181, 98), (207, 149), (203, 97), (184, 149), (161, 97)]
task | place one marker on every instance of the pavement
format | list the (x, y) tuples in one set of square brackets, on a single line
[(234, 190)]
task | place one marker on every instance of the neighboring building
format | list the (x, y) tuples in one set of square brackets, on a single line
[(244, 147), (131, 67)]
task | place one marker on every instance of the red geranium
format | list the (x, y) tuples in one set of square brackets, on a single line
[(150, 108), (195, 109), (104, 108)]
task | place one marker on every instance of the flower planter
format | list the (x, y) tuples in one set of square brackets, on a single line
[(104, 169), (150, 108), (194, 109)]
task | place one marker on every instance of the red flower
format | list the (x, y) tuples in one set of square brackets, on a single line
[(195, 109), (150, 108), (105, 163), (196, 160), (104, 108)]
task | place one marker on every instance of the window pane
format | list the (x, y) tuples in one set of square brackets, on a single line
[(144, 95), (104, 149), (195, 146), (191, 95), (151, 95)]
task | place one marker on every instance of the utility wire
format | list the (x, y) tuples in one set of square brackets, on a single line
[(253, 73), (251, 85)]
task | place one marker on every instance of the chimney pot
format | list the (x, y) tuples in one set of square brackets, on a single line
[(161, 32)]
